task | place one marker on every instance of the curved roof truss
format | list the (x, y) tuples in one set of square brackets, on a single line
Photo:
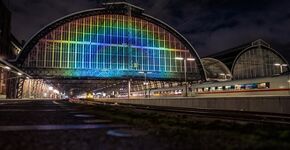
[(114, 9), (215, 69)]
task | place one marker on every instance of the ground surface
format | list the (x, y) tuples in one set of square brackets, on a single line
[(78, 125), (58, 125)]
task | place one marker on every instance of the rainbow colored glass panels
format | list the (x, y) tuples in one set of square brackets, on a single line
[(112, 46)]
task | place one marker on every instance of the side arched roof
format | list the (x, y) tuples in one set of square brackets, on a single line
[(258, 43), (230, 56), (215, 69), (258, 60)]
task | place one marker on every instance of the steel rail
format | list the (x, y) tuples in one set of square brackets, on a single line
[(246, 116)]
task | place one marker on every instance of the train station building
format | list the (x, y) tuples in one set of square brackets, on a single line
[(9, 49), (117, 42), (252, 60), (118, 47)]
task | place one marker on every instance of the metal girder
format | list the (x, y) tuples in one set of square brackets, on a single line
[(34, 86), (38, 88), (20, 82), (91, 74), (11, 83), (112, 8)]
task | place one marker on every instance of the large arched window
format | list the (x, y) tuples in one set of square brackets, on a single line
[(112, 45), (258, 61), (215, 69)]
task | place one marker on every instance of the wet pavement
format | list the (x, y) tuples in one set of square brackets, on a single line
[(48, 124)]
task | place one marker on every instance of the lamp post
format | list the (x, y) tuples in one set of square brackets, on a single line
[(281, 66), (145, 80), (185, 70)]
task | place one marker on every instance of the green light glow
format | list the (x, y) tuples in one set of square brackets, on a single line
[(103, 45)]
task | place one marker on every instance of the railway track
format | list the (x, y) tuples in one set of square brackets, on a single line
[(245, 116)]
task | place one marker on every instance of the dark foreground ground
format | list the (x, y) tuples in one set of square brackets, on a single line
[(41, 125)]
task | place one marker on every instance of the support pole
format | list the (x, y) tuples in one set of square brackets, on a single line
[(146, 85), (29, 86), (185, 77), (15, 87), (129, 88)]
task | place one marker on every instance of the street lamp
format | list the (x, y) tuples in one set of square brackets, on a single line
[(185, 70), (145, 80), (281, 66)]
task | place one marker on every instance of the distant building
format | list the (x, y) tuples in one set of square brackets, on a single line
[(5, 26), (9, 49), (252, 60), (4, 43)]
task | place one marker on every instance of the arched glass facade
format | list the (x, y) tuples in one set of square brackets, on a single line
[(258, 61), (215, 69), (114, 46)]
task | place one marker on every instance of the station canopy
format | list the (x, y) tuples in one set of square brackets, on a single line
[(253, 60), (216, 70), (117, 41)]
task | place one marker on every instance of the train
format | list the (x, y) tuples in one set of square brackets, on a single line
[(268, 86), (89, 95), (164, 92)]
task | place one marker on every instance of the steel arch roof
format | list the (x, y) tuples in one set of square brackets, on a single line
[(207, 61), (119, 8), (257, 43), (230, 56)]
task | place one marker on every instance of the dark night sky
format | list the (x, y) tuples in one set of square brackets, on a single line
[(210, 25)]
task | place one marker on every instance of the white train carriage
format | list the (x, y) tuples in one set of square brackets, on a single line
[(270, 86), (168, 92), (164, 92)]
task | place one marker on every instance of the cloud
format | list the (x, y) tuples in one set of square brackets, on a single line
[(209, 25), (29, 16)]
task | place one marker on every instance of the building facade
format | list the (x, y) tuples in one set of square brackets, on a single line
[(5, 18), (253, 60), (9, 49), (118, 41)]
